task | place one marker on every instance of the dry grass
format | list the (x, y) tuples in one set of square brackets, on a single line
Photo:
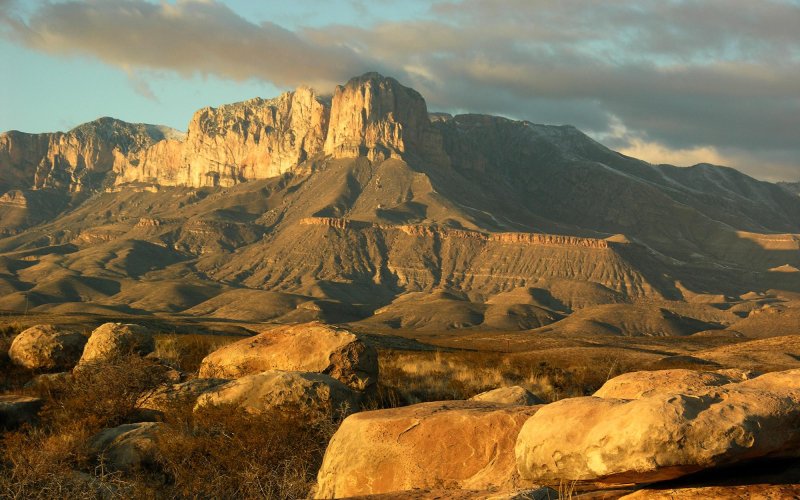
[(226, 453), (51, 459), (186, 351), (415, 377), (215, 453)]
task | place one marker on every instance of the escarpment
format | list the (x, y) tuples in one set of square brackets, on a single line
[(78, 160), (445, 232), (370, 116)]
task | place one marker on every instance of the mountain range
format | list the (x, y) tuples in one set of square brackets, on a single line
[(363, 207)]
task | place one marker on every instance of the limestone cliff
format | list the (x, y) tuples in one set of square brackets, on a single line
[(77, 160), (20, 153), (370, 116), (376, 117)]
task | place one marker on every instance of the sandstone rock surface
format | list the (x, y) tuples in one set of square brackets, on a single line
[(127, 447), (112, 340), (443, 445), (664, 435), (514, 395), (637, 385), (46, 347), (312, 347), (16, 410), (283, 390)]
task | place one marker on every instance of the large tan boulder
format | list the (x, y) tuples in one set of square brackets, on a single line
[(127, 447), (664, 435), (309, 347), (283, 390), (465, 445), (113, 340), (512, 395), (636, 385), (46, 347)]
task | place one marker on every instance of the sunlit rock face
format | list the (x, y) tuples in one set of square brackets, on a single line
[(370, 116), (78, 160), (376, 117), (255, 139), (235, 143)]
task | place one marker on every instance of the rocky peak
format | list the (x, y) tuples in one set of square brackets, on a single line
[(376, 117)]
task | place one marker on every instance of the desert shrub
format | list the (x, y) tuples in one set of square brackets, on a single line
[(223, 452), (104, 394), (186, 351), (432, 376), (213, 453), (40, 464), (51, 459)]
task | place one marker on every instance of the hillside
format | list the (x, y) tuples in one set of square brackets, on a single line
[(365, 208)]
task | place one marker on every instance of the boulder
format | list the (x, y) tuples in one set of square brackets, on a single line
[(636, 385), (282, 390), (48, 381), (113, 340), (16, 410), (465, 445), (46, 347), (662, 435), (513, 395), (171, 396), (310, 347), (127, 447)]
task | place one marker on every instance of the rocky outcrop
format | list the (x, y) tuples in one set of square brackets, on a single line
[(370, 116), (174, 396), (77, 160), (664, 434), (441, 232), (514, 395), (637, 385), (128, 447), (310, 347), (161, 164), (46, 347), (114, 340), (376, 117), (16, 410), (250, 140), (444, 445), (20, 154), (283, 391)]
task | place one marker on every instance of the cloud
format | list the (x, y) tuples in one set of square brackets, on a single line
[(713, 80), (189, 37)]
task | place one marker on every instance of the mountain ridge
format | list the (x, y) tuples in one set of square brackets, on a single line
[(340, 208)]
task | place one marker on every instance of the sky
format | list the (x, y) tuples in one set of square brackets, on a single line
[(668, 81)]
